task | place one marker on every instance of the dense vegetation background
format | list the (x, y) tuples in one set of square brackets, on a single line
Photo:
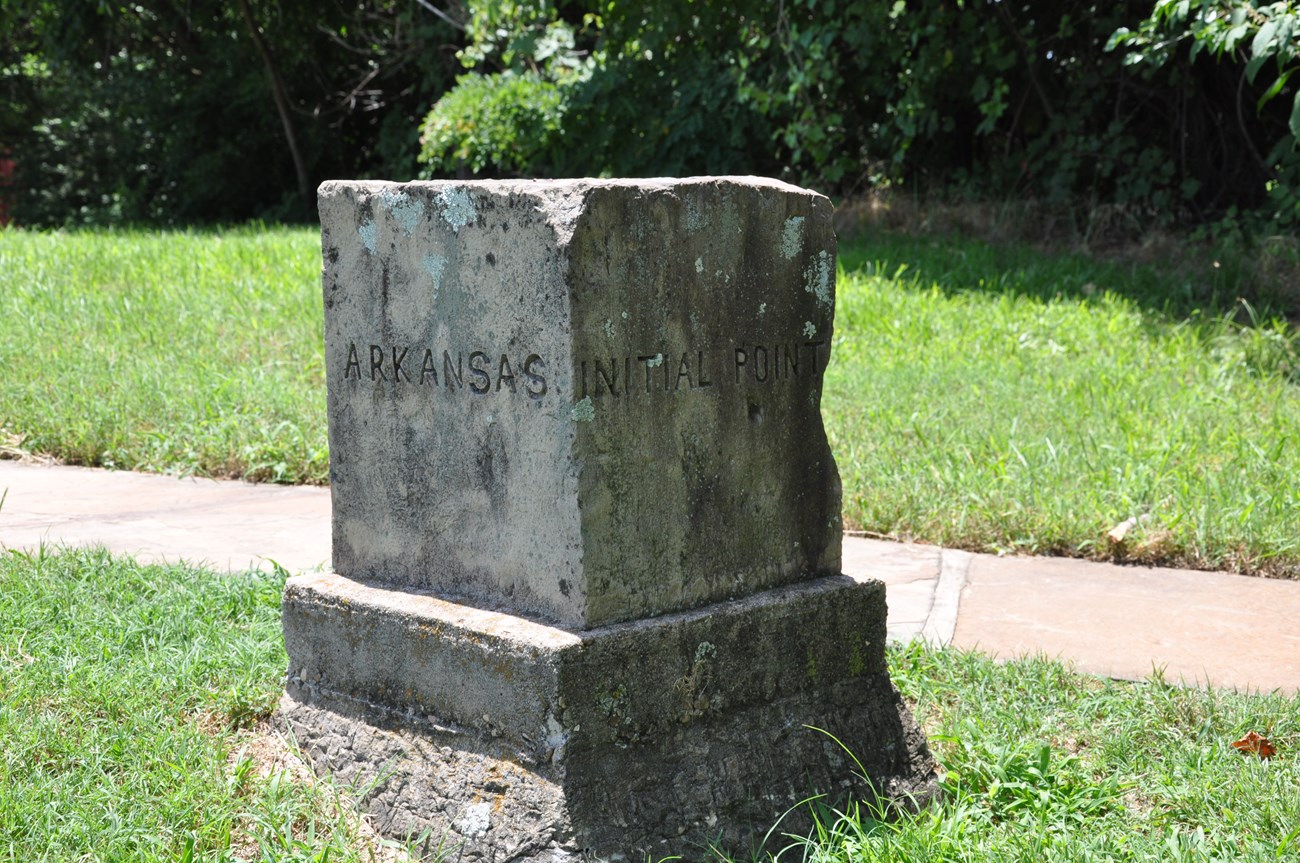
[(185, 111)]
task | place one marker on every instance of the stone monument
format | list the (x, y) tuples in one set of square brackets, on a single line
[(587, 601)]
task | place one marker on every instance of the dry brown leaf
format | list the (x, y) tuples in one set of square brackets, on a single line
[(1256, 744)]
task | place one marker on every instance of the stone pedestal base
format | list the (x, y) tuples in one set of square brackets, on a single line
[(512, 740)]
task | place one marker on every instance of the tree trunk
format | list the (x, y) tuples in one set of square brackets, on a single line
[(281, 101)]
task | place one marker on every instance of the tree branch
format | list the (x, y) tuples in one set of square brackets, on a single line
[(441, 14), (1026, 55), (281, 101)]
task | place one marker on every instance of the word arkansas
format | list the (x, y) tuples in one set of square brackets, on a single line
[(479, 371)]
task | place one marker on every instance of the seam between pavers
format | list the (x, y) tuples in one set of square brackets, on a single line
[(941, 622)]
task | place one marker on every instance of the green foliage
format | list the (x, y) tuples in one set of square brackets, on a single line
[(1118, 113), (995, 99), (1254, 39), (162, 113), (1222, 27), (639, 88), (509, 121)]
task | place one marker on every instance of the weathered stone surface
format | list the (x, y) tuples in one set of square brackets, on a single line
[(586, 522), (521, 741), (584, 401)]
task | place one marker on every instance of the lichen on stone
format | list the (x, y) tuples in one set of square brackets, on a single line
[(434, 264), (694, 216), (369, 232), (584, 411), (457, 207), (403, 208), (818, 277), (792, 237)]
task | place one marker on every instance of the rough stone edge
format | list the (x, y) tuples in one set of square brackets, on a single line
[(377, 760), (359, 739), (545, 185), (389, 768), (332, 625)]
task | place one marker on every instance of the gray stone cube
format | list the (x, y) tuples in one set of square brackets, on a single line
[(581, 401)]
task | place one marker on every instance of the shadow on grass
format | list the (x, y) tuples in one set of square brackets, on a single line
[(1231, 303), (1170, 285)]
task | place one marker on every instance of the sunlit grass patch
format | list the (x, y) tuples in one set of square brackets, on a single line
[(1012, 418), (188, 352), (132, 699), (1042, 763)]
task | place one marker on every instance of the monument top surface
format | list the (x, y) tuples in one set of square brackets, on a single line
[(566, 185), (584, 400)]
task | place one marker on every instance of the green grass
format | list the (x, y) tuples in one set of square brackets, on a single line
[(991, 397), (125, 695), (1043, 764), (181, 352), (1007, 400), (126, 692)]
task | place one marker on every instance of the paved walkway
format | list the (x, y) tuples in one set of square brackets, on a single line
[(1200, 628)]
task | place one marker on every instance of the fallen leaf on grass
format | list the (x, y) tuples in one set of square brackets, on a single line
[(1255, 743)]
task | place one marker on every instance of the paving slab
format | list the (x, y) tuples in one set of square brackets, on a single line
[(1198, 628), (220, 524), (911, 574)]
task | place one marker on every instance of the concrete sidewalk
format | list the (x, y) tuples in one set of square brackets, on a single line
[(1200, 628)]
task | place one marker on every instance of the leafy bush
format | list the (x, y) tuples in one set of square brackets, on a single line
[(641, 89), (511, 121), (1253, 40), (1111, 115), (997, 99)]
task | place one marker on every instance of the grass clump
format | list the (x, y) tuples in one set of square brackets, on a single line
[(127, 695), (1042, 763), (183, 352)]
